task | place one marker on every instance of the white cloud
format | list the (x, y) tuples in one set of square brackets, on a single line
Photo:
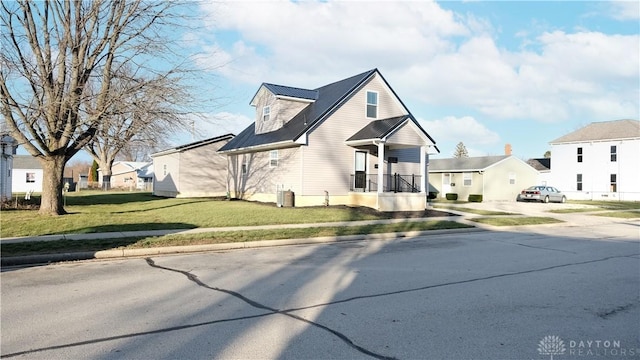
[(433, 56), (450, 130), (625, 10)]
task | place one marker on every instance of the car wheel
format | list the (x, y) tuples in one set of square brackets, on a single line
[(563, 200), (546, 199)]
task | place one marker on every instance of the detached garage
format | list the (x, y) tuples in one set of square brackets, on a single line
[(192, 170)]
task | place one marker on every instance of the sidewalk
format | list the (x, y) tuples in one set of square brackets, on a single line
[(120, 253)]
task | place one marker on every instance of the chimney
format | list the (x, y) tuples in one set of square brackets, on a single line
[(507, 149)]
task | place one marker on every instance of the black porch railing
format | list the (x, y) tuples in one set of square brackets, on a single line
[(391, 182)]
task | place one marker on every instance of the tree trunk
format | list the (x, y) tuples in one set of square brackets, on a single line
[(106, 182), (52, 202), (106, 162)]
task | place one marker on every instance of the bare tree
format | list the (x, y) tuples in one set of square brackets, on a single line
[(149, 111), (51, 51)]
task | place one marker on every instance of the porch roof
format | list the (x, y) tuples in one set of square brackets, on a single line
[(378, 129), (385, 128)]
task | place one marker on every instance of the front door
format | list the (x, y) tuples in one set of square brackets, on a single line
[(446, 184), (361, 170)]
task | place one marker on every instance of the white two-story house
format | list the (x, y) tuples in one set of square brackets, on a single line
[(600, 161)]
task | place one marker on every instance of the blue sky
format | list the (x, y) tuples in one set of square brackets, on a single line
[(484, 73)]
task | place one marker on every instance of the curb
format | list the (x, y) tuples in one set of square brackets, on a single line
[(128, 253)]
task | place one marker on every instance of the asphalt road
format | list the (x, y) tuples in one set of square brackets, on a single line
[(485, 295)]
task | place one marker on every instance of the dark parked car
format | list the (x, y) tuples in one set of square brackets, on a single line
[(542, 193)]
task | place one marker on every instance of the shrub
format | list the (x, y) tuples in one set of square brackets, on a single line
[(475, 197), (451, 196)]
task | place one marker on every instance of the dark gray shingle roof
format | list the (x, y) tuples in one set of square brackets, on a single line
[(607, 130), (329, 96), (540, 164), (464, 164), (194, 145), (26, 162), (292, 91), (378, 128)]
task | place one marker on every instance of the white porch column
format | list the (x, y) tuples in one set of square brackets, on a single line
[(380, 166), (424, 174)]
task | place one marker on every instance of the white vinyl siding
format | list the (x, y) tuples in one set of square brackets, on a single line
[(330, 170), (596, 170)]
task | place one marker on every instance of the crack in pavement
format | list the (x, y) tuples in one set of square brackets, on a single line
[(287, 312), (273, 311)]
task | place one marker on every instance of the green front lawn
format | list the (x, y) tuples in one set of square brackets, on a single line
[(96, 211)]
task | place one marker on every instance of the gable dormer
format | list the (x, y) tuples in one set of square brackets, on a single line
[(276, 105)]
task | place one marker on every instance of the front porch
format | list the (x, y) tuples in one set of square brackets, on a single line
[(398, 192), (390, 183)]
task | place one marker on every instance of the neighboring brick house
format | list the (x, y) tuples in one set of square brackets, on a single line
[(351, 142), (599, 161)]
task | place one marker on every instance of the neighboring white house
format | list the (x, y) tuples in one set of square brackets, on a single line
[(27, 174), (130, 175), (8, 146), (600, 161)]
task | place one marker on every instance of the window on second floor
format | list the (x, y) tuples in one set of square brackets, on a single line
[(466, 179), (614, 153), (164, 169), (31, 177), (266, 113), (579, 154), (512, 178), (273, 158), (372, 104), (579, 182)]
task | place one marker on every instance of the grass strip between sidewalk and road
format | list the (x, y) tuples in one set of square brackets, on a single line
[(473, 211), (516, 221), (64, 246)]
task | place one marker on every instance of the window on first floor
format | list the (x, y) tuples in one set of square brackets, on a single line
[(614, 183), (466, 179), (579, 182), (31, 177), (614, 153), (273, 158)]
